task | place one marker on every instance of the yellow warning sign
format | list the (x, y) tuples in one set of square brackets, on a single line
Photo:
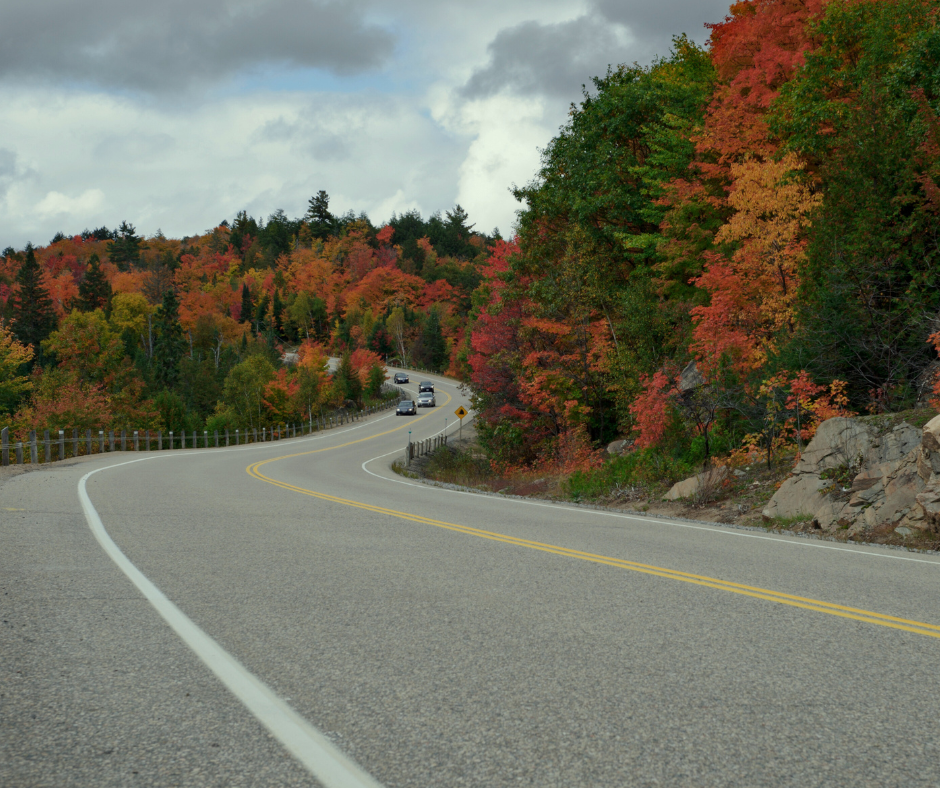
[(461, 412)]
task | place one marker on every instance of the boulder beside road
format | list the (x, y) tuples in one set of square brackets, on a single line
[(697, 486), (852, 477)]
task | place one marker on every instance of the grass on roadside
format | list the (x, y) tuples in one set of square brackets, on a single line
[(456, 466), (647, 468), (399, 467)]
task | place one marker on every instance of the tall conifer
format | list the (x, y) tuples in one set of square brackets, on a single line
[(94, 291), (319, 218), (248, 305), (169, 347), (32, 311)]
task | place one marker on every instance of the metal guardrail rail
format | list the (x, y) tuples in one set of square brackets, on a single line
[(57, 445)]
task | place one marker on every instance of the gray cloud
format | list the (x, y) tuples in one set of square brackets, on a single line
[(663, 19), (130, 147), (547, 59), (175, 44), (554, 60), (7, 170), (313, 134), (12, 170), (7, 163)]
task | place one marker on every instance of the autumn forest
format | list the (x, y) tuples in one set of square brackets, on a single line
[(718, 252)]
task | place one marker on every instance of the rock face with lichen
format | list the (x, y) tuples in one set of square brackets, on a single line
[(852, 477)]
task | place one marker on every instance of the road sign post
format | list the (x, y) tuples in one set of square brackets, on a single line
[(460, 413)]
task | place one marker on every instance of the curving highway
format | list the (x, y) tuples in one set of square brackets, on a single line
[(295, 613)]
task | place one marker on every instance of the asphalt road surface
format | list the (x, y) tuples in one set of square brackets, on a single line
[(296, 614)]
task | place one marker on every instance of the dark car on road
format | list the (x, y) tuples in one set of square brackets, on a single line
[(401, 377), (425, 385), (406, 407)]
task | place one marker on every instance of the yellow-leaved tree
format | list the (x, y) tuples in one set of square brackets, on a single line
[(753, 294), (13, 356)]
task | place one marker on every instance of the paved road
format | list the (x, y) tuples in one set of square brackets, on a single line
[(438, 638)]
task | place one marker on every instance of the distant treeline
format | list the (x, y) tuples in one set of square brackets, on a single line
[(109, 329)]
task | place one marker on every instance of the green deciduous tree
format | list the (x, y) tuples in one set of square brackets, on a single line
[(90, 352), (243, 390), (861, 111)]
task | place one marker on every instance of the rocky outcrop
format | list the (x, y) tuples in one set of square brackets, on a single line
[(925, 515), (690, 378), (852, 477), (703, 485)]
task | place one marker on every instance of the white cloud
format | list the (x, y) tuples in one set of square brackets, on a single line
[(506, 133), (236, 105), (184, 173), (56, 205)]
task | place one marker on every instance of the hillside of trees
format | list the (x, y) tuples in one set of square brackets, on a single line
[(726, 247), (106, 329), (719, 251)]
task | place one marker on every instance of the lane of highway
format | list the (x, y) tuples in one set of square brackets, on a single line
[(564, 647)]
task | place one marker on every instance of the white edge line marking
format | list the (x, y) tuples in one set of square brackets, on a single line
[(637, 518), (318, 755)]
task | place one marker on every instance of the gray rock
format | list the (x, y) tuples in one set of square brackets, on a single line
[(890, 475), (616, 448), (838, 442), (697, 485), (869, 494), (831, 515), (798, 496), (690, 378), (930, 449), (894, 446), (928, 503), (931, 439)]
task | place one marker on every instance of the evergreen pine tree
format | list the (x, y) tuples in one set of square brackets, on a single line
[(277, 310), (170, 346), (261, 313), (124, 250), (94, 291), (318, 216), (347, 379), (32, 312), (432, 342), (376, 380), (248, 305)]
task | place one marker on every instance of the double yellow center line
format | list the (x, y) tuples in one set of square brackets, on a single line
[(806, 603)]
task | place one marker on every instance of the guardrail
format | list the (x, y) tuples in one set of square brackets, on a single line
[(420, 448), (391, 363), (57, 445)]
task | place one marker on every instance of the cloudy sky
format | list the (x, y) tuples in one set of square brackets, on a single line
[(174, 115)]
